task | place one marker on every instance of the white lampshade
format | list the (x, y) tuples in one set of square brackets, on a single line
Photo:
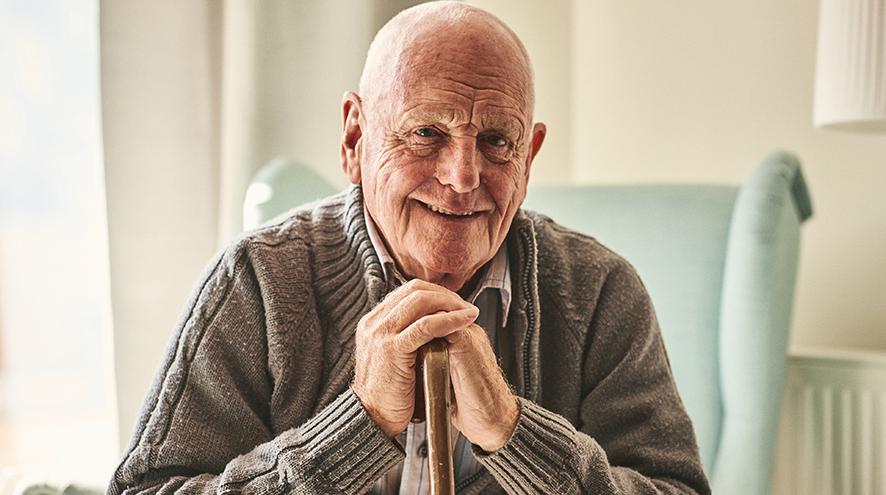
[(850, 73)]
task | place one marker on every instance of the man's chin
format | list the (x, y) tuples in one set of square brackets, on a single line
[(457, 264)]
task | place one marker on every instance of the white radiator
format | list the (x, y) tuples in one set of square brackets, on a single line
[(832, 438)]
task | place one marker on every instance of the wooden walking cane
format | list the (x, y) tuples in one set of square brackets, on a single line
[(433, 358)]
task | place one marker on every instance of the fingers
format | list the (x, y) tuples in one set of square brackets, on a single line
[(471, 340), (406, 290), (421, 303), (483, 407), (438, 325)]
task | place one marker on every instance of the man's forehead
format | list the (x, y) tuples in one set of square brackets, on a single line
[(460, 89), (463, 63)]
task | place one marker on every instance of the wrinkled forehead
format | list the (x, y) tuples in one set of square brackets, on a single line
[(475, 64), (484, 80)]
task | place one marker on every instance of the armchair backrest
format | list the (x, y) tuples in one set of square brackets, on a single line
[(280, 185), (720, 265), (676, 237)]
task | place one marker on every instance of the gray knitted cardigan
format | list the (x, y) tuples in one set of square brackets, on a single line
[(253, 393)]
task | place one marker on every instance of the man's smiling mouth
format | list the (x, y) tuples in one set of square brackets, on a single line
[(450, 213)]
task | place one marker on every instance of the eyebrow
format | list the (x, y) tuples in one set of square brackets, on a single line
[(501, 121), (428, 115)]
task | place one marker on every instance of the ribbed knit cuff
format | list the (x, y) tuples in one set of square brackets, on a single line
[(540, 456), (345, 449)]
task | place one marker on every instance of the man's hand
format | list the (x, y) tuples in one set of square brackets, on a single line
[(387, 339), (484, 410)]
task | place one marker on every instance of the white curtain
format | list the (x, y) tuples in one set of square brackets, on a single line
[(56, 388), (196, 96)]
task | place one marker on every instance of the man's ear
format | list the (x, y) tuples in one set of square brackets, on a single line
[(539, 130), (351, 136)]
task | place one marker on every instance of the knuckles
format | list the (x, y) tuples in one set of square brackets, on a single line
[(417, 283)]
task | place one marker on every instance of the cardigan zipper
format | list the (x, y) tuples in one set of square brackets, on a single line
[(470, 479), (530, 305)]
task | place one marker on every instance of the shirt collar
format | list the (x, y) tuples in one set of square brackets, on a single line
[(392, 274), (496, 273)]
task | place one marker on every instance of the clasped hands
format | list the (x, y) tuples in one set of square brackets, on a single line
[(387, 341)]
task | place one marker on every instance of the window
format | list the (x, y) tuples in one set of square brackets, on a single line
[(57, 419)]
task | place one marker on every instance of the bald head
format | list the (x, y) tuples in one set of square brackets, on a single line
[(421, 39)]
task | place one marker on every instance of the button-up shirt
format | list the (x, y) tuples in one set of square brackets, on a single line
[(493, 297)]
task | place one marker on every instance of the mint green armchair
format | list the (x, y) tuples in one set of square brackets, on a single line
[(720, 264)]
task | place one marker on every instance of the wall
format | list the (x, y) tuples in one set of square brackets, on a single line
[(701, 91)]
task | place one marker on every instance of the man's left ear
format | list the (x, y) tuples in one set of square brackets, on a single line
[(538, 137)]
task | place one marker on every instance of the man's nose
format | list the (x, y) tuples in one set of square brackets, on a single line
[(461, 169)]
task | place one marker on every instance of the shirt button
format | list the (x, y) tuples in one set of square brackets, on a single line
[(423, 449)]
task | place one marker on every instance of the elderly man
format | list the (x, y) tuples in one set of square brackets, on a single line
[(293, 369)]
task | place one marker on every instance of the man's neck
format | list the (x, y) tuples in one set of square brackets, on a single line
[(468, 288), (461, 284)]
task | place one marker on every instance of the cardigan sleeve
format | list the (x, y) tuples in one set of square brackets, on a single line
[(206, 427), (634, 435)]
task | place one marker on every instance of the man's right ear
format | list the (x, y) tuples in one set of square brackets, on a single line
[(351, 136)]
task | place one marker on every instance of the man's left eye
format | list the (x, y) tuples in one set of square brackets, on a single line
[(494, 140)]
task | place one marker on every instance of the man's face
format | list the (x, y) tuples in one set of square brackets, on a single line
[(445, 159)]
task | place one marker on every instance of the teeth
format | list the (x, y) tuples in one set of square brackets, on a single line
[(447, 212)]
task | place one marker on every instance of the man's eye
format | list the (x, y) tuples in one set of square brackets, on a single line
[(497, 148), (495, 140), (427, 132)]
